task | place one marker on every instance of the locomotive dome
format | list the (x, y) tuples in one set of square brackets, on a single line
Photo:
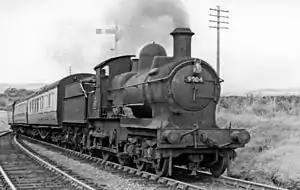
[(152, 50)]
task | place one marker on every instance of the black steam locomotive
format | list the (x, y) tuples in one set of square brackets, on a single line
[(154, 111)]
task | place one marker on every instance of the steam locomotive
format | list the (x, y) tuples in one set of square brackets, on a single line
[(154, 111)]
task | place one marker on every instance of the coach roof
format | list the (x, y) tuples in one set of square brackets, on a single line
[(47, 87)]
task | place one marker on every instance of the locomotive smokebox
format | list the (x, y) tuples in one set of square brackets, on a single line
[(182, 42)]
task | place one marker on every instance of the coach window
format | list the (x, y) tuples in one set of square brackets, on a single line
[(49, 100), (41, 104), (35, 105), (46, 101)]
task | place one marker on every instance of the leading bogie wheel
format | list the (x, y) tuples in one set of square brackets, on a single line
[(162, 167)]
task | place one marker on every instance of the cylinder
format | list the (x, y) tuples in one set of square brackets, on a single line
[(182, 38)]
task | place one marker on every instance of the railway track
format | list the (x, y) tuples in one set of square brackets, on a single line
[(203, 181), (21, 169)]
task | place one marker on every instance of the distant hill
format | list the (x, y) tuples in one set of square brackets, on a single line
[(28, 86), (12, 94), (267, 92)]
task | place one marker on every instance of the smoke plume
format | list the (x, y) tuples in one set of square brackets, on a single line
[(144, 21), (75, 42)]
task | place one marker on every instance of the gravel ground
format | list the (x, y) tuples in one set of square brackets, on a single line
[(111, 179)]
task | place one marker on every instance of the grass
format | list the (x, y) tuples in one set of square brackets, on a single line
[(271, 156)]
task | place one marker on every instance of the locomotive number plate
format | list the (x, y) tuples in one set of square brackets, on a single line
[(193, 79)]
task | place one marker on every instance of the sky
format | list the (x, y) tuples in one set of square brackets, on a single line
[(40, 39)]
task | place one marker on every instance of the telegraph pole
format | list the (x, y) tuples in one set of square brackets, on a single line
[(218, 27), (114, 31)]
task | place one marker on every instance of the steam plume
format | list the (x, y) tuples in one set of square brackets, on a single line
[(143, 21)]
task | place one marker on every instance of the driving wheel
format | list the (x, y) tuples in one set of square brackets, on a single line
[(218, 168), (105, 155), (123, 160)]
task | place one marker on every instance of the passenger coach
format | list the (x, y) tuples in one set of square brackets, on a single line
[(44, 109)]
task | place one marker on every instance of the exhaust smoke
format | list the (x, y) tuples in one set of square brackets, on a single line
[(144, 21)]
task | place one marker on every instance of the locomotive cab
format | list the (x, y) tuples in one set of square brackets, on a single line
[(102, 102)]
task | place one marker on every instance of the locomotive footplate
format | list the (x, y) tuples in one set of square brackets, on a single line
[(198, 138)]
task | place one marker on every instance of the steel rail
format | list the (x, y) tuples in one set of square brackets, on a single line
[(6, 178), (51, 167), (43, 163), (234, 182), (2, 172)]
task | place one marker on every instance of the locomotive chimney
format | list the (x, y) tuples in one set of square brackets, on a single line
[(182, 42)]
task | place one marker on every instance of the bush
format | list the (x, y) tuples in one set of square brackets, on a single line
[(269, 106)]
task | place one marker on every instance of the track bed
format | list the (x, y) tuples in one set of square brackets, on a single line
[(19, 170)]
